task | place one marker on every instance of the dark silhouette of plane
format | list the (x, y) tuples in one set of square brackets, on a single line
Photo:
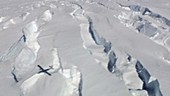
[(44, 70)]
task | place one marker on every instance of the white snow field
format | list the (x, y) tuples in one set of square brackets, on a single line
[(84, 48)]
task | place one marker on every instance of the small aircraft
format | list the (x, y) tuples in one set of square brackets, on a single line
[(44, 70)]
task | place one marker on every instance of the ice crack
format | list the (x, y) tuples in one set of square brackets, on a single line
[(149, 84), (126, 69)]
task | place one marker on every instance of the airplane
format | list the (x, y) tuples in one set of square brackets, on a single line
[(44, 70)]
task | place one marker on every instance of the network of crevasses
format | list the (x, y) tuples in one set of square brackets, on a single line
[(126, 73), (25, 60), (145, 27), (148, 12), (158, 34), (131, 72), (87, 30), (142, 26), (143, 11), (110, 62), (103, 47)]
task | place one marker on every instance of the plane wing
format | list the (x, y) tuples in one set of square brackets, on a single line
[(40, 67), (47, 73)]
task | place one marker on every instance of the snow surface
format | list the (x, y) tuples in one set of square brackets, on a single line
[(90, 47)]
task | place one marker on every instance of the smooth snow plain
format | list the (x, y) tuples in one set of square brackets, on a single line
[(91, 47)]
